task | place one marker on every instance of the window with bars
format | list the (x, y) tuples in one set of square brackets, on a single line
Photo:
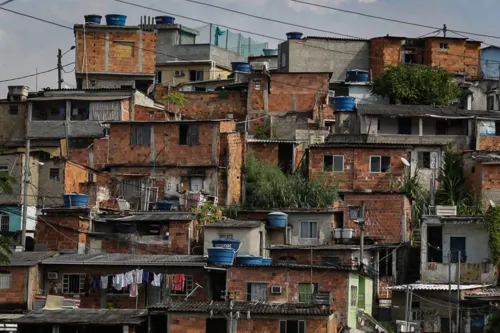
[(13, 110), (5, 280), (73, 283), (309, 229), (306, 290), (256, 292), (188, 287), (131, 187), (54, 173), (292, 326), (4, 222)]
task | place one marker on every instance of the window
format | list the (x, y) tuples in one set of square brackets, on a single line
[(354, 212), (188, 287), (443, 46), (195, 75), (131, 187), (13, 110), (256, 292), (354, 296), (73, 283), (4, 167), (80, 110), (309, 230), (257, 84), (5, 280), (230, 236), (292, 326), (124, 49), (378, 124), (283, 59), (380, 164), (54, 173), (188, 135), (159, 76), (306, 290), (333, 163), (4, 222), (140, 135), (457, 244), (490, 103), (424, 160), (404, 125)]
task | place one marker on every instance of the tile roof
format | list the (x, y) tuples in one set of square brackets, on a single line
[(298, 266), (230, 223), (29, 258), (156, 217), (486, 156), (85, 317), (119, 259), (253, 308), (436, 286)]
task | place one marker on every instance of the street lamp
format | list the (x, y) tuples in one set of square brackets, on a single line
[(59, 65)]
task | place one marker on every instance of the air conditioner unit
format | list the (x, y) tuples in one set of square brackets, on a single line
[(178, 73), (52, 275), (260, 66), (276, 289)]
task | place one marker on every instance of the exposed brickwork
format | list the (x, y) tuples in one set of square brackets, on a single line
[(236, 158), (357, 173), (265, 152), (73, 176), (383, 52), (61, 232), (203, 105), (15, 296), (187, 325), (489, 142), (144, 113), (125, 110)]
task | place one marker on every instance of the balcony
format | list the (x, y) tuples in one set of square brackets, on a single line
[(56, 129), (462, 141), (471, 273)]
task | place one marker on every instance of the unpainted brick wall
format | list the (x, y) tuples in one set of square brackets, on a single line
[(16, 294), (204, 105), (180, 324), (74, 175), (489, 142), (265, 152), (144, 113), (63, 233), (357, 173), (383, 52), (237, 149)]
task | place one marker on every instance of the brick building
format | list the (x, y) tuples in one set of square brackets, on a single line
[(114, 56), (203, 156), (281, 153), (458, 56)]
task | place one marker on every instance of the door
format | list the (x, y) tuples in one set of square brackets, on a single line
[(285, 157), (457, 244), (404, 125)]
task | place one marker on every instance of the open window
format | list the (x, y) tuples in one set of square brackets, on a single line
[(188, 134)]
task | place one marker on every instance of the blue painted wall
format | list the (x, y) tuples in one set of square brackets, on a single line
[(490, 60), (14, 213)]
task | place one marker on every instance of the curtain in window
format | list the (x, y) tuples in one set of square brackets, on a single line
[(103, 111), (258, 292)]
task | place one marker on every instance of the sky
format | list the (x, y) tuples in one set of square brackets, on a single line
[(27, 45)]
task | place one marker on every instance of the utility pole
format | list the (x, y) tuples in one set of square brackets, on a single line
[(362, 226), (59, 68), (25, 192), (449, 289), (444, 30), (458, 291)]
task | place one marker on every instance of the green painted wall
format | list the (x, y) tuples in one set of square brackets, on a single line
[(360, 296)]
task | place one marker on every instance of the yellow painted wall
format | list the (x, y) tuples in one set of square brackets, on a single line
[(168, 73)]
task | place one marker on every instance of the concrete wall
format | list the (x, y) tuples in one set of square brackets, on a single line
[(490, 57), (325, 225), (209, 73), (273, 61), (425, 174), (356, 284), (51, 129), (51, 190), (476, 241), (13, 129), (15, 162), (249, 238), (15, 217), (318, 55)]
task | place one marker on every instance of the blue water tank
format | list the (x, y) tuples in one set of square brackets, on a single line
[(227, 243), (241, 67), (294, 35), (116, 19), (220, 256), (166, 205), (165, 20), (344, 103), (270, 52), (277, 220), (76, 200), (93, 19), (358, 75), (267, 261), (249, 260)]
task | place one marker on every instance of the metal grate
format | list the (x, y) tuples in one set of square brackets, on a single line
[(4, 222), (5, 280)]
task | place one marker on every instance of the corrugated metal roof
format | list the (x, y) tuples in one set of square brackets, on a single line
[(437, 287), (422, 110), (264, 309), (29, 258), (230, 223), (78, 98), (328, 247), (486, 293), (298, 266), (271, 141), (360, 145), (337, 38), (84, 317), (156, 217), (119, 259)]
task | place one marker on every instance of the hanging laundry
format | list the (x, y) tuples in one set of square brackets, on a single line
[(104, 282), (119, 281), (96, 283), (138, 275), (179, 281), (156, 280), (129, 278), (133, 287), (145, 277)]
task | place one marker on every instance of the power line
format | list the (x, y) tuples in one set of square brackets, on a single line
[(31, 75)]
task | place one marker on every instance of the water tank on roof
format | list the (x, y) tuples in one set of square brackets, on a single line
[(17, 93), (227, 243), (164, 20), (93, 19), (358, 75), (241, 67), (277, 220), (294, 35), (116, 19), (220, 256), (76, 200), (344, 103), (249, 260), (270, 52)]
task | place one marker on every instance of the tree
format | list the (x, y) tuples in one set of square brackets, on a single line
[(5, 187), (414, 84), (493, 324), (207, 213), (177, 99)]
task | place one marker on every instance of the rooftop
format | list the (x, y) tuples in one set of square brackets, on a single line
[(493, 292), (165, 121), (230, 223), (155, 217), (361, 145), (29, 258), (337, 38), (436, 287), (84, 317), (422, 111), (327, 247), (271, 141), (263, 309), (79, 98), (492, 157), (119, 259)]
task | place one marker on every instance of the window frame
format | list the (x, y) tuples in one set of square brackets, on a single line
[(226, 235), (333, 163), (187, 135), (444, 46), (5, 280), (81, 287), (188, 287), (52, 176), (421, 159), (13, 109), (380, 157), (354, 296), (308, 295), (309, 230), (197, 74), (4, 167), (249, 290), (140, 135), (4, 218), (301, 326)]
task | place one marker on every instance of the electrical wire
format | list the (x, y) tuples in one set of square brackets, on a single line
[(31, 75)]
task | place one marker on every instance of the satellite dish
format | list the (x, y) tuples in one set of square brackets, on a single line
[(405, 161), (492, 204)]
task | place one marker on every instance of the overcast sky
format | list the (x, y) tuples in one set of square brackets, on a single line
[(26, 45)]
